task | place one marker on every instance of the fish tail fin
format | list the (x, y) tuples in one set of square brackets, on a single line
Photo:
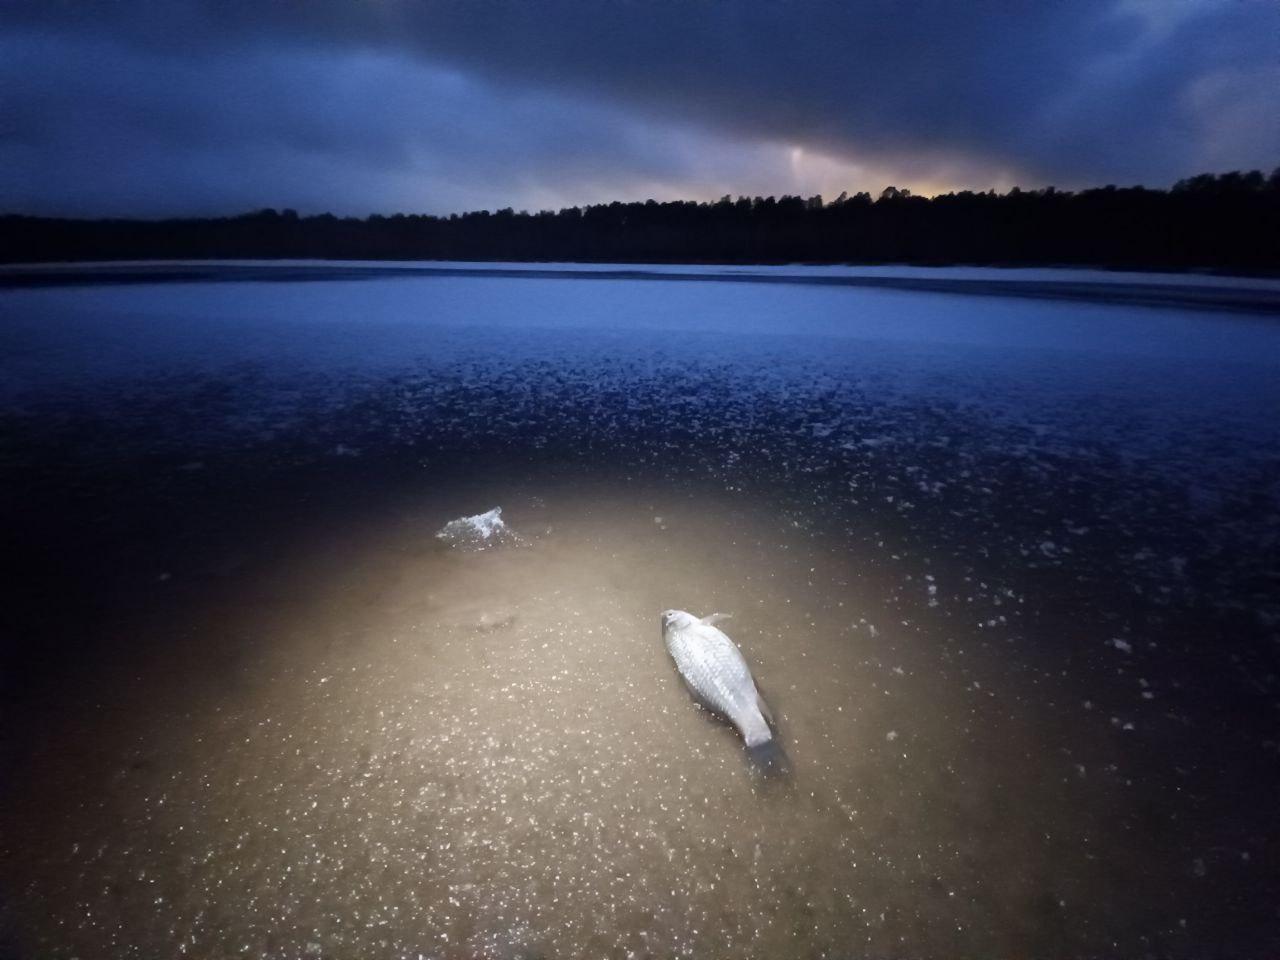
[(769, 759)]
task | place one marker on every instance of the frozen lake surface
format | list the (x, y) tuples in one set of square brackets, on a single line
[(1004, 564)]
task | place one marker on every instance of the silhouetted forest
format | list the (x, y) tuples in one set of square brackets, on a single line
[(1227, 222)]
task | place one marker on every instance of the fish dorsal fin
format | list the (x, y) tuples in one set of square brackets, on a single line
[(714, 618)]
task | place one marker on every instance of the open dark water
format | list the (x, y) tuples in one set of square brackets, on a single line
[(1007, 569)]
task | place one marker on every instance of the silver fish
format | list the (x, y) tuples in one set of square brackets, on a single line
[(713, 668)]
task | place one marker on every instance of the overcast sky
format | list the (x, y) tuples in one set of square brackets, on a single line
[(164, 107)]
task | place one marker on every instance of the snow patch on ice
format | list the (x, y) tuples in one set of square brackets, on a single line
[(478, 532)]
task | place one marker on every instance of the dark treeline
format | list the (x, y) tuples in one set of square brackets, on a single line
[(1226, 222)]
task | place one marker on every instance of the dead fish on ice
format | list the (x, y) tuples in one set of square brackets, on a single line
[(714, 670)]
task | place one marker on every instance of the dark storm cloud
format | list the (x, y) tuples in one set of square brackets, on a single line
[(436, 105), (151, 131)]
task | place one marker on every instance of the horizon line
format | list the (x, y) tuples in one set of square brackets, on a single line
[(885, 194)]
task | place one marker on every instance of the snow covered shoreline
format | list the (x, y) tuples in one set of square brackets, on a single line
[(1191, 290)]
